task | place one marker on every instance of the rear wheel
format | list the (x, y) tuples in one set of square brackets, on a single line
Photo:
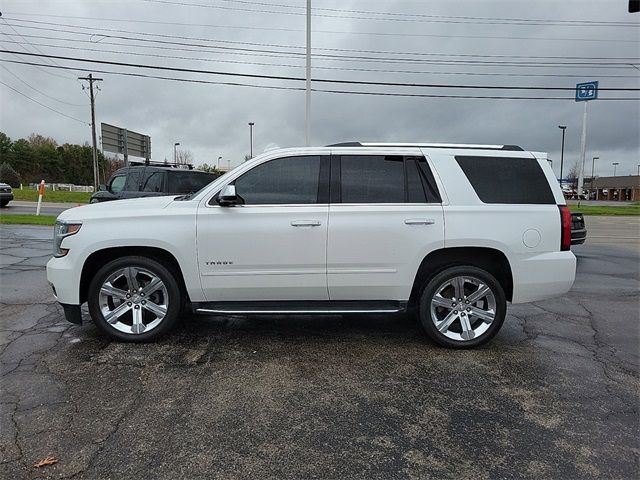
[(462, 307), (134, 299)]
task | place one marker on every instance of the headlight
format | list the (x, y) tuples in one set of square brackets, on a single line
[(60, 231)]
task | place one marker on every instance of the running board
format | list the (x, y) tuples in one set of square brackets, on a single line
[(299, 308)]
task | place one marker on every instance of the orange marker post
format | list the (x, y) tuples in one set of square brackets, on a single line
[(40, 195)]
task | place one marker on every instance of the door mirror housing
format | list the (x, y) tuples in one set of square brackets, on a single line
[(102, 187), (228, 197)]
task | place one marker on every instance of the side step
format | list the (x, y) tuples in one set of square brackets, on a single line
[(300, 307)]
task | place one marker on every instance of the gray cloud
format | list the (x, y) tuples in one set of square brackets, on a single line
[(211, 120)]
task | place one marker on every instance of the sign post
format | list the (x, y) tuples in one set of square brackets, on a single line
[(584, 92), (40, 195)]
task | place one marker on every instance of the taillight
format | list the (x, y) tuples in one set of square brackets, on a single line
[(565, 223)]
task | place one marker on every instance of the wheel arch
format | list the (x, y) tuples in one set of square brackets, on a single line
[(100, 257), (490, 259)]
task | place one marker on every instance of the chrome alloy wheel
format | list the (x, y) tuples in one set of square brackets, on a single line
[(133, 300), (463, 308)]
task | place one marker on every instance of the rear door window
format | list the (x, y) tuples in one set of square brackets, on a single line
[(383, 179), (507, 179), (133, 181), (372, 179), (187, 182), (153, 182)]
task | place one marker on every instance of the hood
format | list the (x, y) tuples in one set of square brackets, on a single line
[(117, 208)]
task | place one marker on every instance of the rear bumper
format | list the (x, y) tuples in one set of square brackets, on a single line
[(543, 276), (6, 196), (578, 236)]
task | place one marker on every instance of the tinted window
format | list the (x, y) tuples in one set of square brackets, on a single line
[(117, 183), (372, 179), (415, 187), (291, 180), (507, 180), (133, 181), (187, 182), (153, 182)]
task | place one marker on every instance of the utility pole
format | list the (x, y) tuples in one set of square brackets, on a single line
[(91, 79), (308, 90)]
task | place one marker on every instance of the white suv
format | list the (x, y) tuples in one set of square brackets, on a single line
[(450, 232)]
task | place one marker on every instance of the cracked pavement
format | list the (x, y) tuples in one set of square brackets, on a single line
[(555, 395)]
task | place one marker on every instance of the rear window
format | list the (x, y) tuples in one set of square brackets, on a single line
[(507, 179), (188, 182)]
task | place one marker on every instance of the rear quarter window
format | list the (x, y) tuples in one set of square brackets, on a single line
[(507, 179)]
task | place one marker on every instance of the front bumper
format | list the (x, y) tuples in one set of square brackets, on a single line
[(64, 276), (6, 196)]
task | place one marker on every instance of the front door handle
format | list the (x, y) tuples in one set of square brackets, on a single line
[(419, 221), (305, 223)]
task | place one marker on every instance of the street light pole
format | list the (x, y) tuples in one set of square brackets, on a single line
[(219, 158), (563, 128), (251, 124), (615, 165), (593, 162), (175, 152)]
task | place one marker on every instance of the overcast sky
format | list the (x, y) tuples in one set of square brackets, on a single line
[(211, 120)]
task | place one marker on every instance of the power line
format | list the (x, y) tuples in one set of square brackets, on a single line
[(366, 15), (26, 41), (277, 87), (337, 32), (360, 58), (386, 52), (302, 7), (317, 80), (42, 104), (317, 67), (40, 91)]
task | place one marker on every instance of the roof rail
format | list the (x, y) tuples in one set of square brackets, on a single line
[(514, 148), (151, 163)]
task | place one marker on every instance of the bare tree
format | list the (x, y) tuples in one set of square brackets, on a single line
[(573, 173), (184, 157)]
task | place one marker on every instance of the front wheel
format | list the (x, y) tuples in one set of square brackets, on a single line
[(462, 307), (134, 299), (4, 203)]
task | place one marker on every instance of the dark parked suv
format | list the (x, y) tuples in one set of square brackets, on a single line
[(152, 181)]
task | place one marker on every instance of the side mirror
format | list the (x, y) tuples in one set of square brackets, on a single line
[(102, 187), (227, 197)]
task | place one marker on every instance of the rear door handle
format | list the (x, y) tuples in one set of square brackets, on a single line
[(419, 221), (305, 223)]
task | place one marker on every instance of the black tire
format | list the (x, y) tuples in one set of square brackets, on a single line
[(4, 203), (168, 278), (436, 282)]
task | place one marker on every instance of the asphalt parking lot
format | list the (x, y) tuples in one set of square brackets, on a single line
[(555, 395)]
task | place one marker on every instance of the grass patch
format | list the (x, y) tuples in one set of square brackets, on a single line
[(27, 220), (605, 210), (31, 195)]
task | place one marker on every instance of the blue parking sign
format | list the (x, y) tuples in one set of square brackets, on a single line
[(586, 91)]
